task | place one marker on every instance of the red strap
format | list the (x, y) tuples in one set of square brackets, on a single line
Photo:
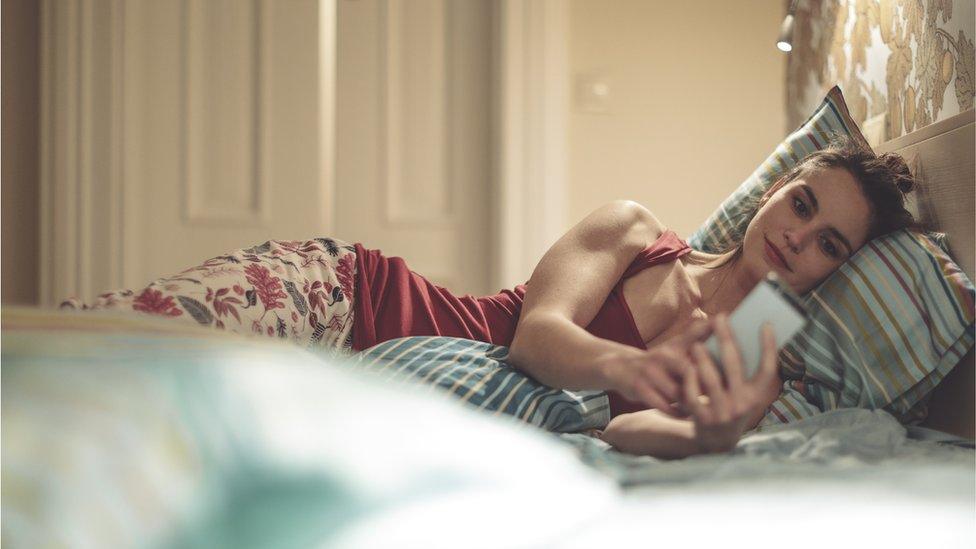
[(667, 247)]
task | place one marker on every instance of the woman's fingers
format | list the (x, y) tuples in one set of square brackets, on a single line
[(673, 361), (656, 375), (651, 397), (768, 376), (767, 367), (718, 399), (731, 360), (691, 393)]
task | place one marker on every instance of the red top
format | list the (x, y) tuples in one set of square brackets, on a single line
[(392, 301)]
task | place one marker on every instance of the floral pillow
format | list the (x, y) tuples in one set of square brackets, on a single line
[(290, 289)]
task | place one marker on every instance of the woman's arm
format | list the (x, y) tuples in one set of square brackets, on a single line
[(652, 433), (567, 289)]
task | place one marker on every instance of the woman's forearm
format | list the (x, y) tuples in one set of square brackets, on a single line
[(558, 353), (652, 433)]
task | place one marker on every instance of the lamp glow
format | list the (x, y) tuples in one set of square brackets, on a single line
[(785, 41)]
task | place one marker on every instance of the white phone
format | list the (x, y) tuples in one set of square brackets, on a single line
[(770, 301)]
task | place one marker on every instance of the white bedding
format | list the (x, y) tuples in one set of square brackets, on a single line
[(144, 441), (849, 478)]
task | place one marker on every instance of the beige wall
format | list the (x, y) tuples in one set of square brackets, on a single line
[(20, 153), (695, 103)]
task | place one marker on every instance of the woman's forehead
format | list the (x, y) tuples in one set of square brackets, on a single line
[(828, 183)]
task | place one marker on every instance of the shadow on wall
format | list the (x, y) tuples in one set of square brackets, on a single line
[(20, 151)]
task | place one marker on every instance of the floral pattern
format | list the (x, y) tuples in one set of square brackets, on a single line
[(922, 51), (298, 290)]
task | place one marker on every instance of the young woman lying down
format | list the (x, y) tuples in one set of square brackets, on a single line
[(619, 303)]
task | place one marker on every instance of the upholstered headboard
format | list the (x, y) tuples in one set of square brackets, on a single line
[(942, 157)]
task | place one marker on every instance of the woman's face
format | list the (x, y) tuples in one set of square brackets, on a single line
[(816, 222)]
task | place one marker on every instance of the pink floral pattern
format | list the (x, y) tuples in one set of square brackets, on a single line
[(267, 286), (153, 302), (299, 290)]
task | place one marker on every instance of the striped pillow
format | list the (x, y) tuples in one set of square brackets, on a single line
[(885, 328), (476, 373)]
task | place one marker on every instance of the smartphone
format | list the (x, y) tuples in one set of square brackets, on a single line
[(770, 301)]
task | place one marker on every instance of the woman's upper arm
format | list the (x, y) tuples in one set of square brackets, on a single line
[(576, 274)]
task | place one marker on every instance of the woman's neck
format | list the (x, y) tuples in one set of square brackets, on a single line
[(722, 288)]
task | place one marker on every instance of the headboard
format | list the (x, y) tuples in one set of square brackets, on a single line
[(941, 156)]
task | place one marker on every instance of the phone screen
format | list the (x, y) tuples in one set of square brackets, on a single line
[(770, 301)]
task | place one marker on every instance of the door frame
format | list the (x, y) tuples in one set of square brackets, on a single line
[(530, 134), (81, 148)]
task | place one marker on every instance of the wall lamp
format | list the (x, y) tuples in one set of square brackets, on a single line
[(785, 41)]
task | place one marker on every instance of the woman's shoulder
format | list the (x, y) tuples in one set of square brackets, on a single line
[(642, 220), (622, 224)]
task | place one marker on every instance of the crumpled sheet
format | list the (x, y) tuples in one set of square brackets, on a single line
[(840, 445), (849, 478)]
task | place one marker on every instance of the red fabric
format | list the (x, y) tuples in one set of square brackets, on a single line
[(392, 301)]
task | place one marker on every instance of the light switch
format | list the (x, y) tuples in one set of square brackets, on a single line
[(592, 93)]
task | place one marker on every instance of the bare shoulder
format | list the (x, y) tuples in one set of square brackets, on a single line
[(637, 219), (648, 222)]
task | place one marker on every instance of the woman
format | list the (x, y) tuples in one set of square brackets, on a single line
[(618, 303)]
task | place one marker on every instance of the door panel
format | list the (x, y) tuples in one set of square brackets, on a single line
[(222, 130), (412, 135)]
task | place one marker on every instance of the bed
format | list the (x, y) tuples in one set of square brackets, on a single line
[(124, 431), (941, 155)]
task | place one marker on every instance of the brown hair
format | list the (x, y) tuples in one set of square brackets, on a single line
[(884, 180)]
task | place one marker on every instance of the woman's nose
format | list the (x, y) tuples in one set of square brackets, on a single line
[(795, 239)]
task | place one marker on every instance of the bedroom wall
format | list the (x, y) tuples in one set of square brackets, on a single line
[(907, 62), (20, 152), (694, 103)]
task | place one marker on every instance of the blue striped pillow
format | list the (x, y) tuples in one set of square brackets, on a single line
[(476, 373), (886, 327)]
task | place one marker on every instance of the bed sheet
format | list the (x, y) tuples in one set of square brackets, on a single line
[(852, 475)]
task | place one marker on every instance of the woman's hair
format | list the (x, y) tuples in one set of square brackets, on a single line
[(884, 180)]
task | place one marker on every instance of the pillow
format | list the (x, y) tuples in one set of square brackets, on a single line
[(132, 431), (476, 373), (886, 327)]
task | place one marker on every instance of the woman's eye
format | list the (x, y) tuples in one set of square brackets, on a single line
[(799, 206), (829, 248)]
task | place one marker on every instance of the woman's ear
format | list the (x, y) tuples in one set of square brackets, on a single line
[(772, 190)]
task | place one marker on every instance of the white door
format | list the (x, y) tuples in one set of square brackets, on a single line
[(413, 149), (224, 129), (177, 130)]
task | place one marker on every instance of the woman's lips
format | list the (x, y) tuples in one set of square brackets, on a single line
[(775, 256)]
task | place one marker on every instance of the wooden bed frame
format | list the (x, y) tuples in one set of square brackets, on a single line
[(942, 157)]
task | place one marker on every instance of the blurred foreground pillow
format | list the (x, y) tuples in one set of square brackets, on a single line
[(139, 432)]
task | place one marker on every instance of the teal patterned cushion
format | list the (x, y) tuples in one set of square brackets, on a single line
[(477, 374), (886, 327)]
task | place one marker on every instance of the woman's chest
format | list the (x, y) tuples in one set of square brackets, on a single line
[(664, 301)]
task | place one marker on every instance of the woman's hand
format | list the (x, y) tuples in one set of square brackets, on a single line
[(731, 406), (654, 376)]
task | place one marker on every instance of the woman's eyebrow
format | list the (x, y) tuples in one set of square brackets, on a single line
[(816, 208), (811, 197)]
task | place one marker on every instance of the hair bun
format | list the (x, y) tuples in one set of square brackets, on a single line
[(900, 173)]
